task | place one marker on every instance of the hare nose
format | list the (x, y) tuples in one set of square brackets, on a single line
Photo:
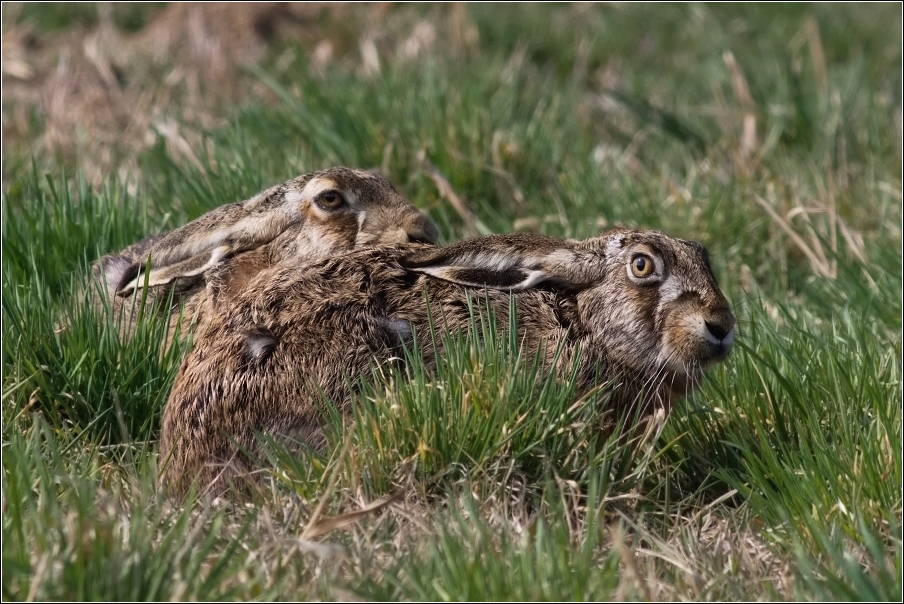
[(717, 331), (421, 230), (721, 326), (419, 237)]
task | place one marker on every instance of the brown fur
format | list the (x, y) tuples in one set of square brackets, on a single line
[(290, 335), (284, 224)]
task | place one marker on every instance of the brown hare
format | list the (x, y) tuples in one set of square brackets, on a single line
[(643, 308), (309, 217)]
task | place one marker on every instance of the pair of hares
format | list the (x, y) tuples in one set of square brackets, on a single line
[(284, 332)]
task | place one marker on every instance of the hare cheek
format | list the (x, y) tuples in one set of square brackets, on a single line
[(366, 236), (342, 228), (313, 245), (324, 236), (684, 345)]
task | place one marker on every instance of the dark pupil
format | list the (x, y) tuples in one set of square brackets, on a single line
[(329, 198), (641, 265)]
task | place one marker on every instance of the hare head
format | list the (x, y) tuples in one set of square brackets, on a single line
[(636, 308), (313, 216), (307, 218), (646, 303)]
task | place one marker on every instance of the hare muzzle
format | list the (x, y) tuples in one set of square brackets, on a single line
[(419, 229), (413, 228), (696, 337), (720, 334)]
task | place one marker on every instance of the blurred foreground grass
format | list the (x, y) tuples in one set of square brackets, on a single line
[(773, 134)]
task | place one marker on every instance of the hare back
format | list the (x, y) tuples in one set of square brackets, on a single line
[(294, 341)]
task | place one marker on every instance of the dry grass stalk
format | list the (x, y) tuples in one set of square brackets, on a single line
[(326, 525), (473, 225), (629, 559), (817, 260), (748, 142)]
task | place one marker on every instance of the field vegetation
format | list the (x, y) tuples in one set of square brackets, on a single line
[(770, 133)]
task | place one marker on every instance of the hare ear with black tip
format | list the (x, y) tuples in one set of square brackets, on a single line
[(514, 262), (113, 270), (134, 277), (201, 244)]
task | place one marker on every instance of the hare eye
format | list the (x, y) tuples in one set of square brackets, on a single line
[(329, 200), (642, 266)]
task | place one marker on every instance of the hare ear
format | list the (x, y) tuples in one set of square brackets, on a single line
[(111, 270), (509, 262), (511, 279), (199, 245), (134, 278)]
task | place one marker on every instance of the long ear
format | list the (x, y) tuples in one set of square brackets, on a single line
[(514, 262), (110, 270), (133, 278), (199, 245)]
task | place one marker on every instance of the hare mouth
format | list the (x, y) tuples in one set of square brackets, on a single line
[(717, 351), (691, 358)]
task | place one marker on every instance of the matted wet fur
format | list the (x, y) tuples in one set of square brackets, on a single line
[(643, 308)]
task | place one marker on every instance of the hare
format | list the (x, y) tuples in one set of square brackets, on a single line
[(643, 308), (312, 216)]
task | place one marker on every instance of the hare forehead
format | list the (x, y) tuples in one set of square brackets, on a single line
[(626, 246), (366, 175), (317, 185)]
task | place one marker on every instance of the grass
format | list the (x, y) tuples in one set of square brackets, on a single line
[(771, 134)]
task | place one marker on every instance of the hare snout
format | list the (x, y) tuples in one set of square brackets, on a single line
[(695, 338), (389, 230), (720, 333)]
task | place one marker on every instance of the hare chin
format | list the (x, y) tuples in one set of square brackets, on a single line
[(682, 366)]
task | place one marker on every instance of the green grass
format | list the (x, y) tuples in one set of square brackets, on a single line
[(779, 479)]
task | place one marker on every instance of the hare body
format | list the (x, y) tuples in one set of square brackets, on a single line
[(642, 308), (309, 217)]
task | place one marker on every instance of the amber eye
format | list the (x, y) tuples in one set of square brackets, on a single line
[(329, 200), (642, 266)]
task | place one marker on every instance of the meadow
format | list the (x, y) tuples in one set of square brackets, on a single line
[(770, 133)]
